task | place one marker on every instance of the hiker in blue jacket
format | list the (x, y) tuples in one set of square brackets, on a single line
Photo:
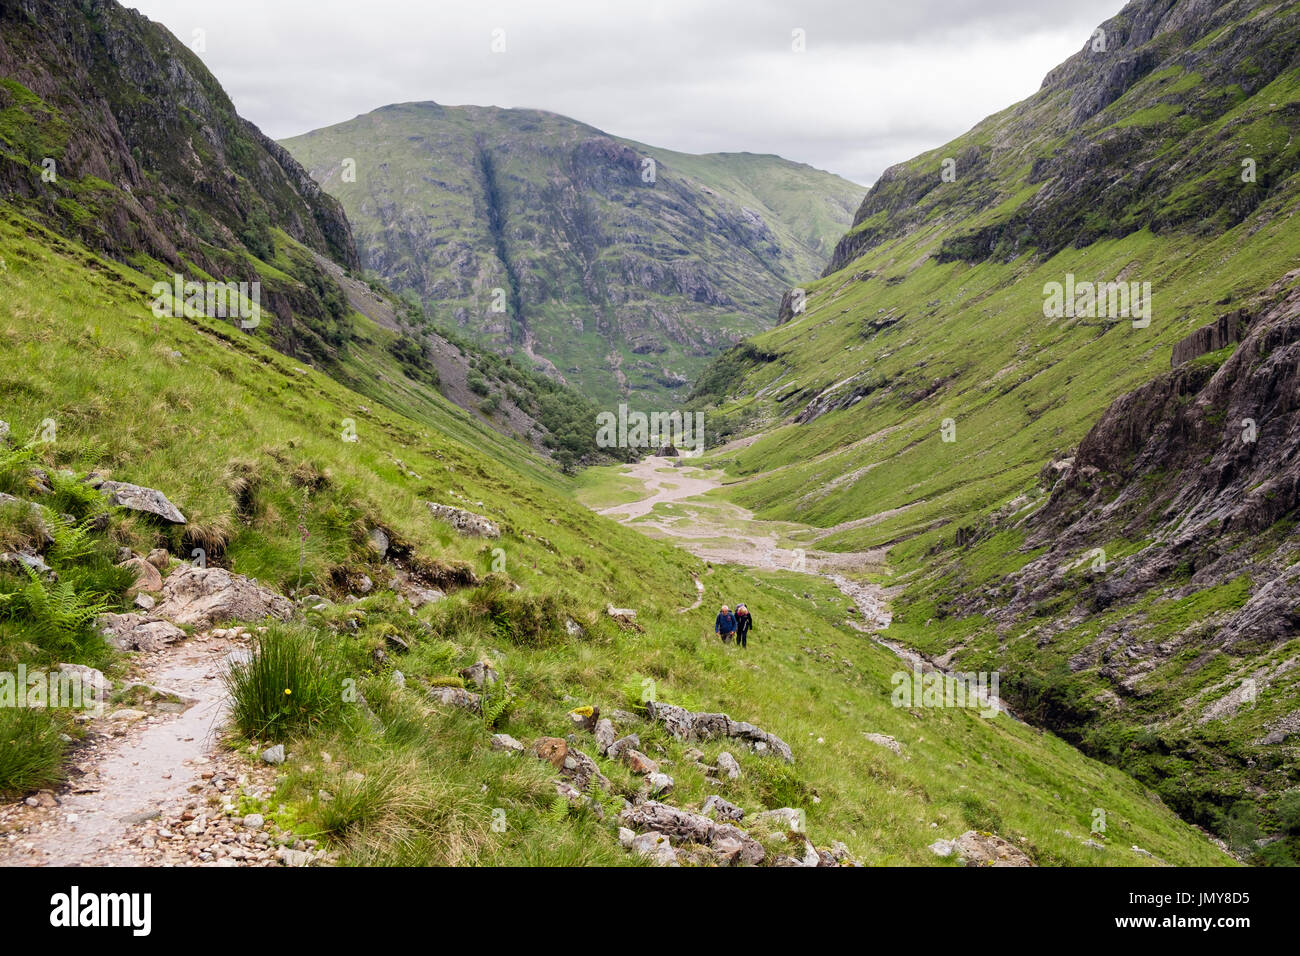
[(725, 626)]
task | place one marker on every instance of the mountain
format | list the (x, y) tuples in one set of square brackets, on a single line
[(621, 268), (115, 134), (1064, 495), (438, 605)]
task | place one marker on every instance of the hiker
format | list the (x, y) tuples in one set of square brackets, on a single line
[(725, 626), (744, 622)]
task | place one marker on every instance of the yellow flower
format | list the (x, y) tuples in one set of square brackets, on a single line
[(288, 691)]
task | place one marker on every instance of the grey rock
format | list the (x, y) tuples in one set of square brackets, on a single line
[(24, 560), (622, 745), (717, 808), (884, 740), (659, 783), (457, 697), (378, 541), (137, 632), (688, 725), (146, 500), (254, 821), (205, 596), (729, 765), (656, 846), (507, 743), (274, 755), (465, 522), (480, 675), (687, 827), (604, 735)]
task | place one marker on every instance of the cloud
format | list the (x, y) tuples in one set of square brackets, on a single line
[(877, 82)]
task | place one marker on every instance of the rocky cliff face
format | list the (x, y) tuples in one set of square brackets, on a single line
[(113, 132), (618, 267), (1134, 131), (1202, 463)]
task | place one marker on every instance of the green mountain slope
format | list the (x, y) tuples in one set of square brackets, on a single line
[(621, 285), (918, 400), (436, 781)]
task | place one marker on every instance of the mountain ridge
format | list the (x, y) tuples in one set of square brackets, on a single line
[(621, 266)]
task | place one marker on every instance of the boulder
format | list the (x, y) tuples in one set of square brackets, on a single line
[(551, 749), (418, 597), (456, 697), (204, 596), (686, 827), (506, 743), (716, 808), (624, 617), (604, 736), (659, 783), (147, 577), (884, 740), (480, 675), (689, 725), (729, 766), (465, 522), (145, 500), (160, 559), (22, 559), (377, 541), (974, 848), (639, 763), (137, 632), (274, 755), (582, 770), (622, 745), (584, 718), (656, 846)]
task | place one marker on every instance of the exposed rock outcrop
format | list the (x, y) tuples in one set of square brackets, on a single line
[(687, 725), (206, 596)]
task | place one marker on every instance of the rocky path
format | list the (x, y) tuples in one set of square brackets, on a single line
[(135, 763), (151, 780)]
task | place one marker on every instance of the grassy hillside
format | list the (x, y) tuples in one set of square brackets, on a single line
[(917, 402), (250, 445), (622, 278)]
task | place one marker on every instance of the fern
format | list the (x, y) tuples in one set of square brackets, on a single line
[(13, 468), (494, 704), (559, 811), (54, 611), (72, 541)]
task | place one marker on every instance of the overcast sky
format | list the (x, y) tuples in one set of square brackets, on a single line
[(877, 83)]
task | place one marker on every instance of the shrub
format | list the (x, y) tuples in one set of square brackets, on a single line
[(285, 687)]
